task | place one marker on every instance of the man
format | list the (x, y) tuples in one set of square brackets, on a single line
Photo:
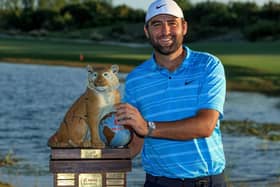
[(174, 101)]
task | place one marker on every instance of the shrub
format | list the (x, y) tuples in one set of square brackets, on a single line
[(262, 29), (96, 36)]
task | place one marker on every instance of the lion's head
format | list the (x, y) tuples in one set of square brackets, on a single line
[(103, 79)]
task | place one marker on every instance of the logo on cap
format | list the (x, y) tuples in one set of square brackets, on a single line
[(158, 7)]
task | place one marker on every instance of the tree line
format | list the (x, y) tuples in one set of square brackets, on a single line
[(206, 19)]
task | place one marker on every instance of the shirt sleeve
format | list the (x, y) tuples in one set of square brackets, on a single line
[(213, 87)]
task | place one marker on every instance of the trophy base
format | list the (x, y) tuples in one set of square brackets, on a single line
[(87, 167)]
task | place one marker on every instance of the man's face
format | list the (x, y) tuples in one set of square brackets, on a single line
[(166, 33)]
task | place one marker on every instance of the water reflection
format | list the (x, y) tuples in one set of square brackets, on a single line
[(34, 99), (253, 107)]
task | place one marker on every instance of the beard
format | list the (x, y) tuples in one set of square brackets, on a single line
[(175, 43)]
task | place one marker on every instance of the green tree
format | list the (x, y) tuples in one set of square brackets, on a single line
[(244, 13), (28, 4), (79, 13), (51, 4), (271, 11), (11, 5), (211, 14), (184, 4), (101, 12), (121, 13)]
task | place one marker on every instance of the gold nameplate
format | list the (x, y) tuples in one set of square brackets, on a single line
[(90, 180), (65, 179), (115, 175), (65, 175), (66, 183), (115, 182), (91, 153)]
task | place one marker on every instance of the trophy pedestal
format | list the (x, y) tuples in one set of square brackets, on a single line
[(89, 167)]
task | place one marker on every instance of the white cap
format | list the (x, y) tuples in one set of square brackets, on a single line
[(164, 7)]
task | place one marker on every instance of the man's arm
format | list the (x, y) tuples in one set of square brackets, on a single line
[(135, 144), (199, 126)]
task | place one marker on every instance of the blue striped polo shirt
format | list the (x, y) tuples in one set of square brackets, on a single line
[(161, 95)]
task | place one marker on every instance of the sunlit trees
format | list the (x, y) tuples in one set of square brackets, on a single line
[(206, 19)]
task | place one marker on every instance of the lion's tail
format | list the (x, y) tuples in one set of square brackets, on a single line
[(53, 140)]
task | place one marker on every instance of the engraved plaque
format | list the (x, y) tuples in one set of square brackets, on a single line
[(90, 180), (91, 153), (65, 175), (115, 182), (90, 167), (66, 182), (115, 175), (65, 179)]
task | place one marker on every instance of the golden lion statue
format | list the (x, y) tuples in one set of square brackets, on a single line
[(83, 117)]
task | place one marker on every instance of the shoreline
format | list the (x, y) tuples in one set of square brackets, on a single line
[(231, 85), (78, 64)]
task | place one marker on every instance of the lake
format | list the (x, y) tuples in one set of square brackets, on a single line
[(34, 99)]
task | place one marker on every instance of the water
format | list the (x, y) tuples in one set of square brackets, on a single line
[(254, 107), (34, 99)]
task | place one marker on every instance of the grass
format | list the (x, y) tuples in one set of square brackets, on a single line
[(69, 51), (5, 185), (264, 63), (240, 48), (267, 131), (8, 160), (248, 66)]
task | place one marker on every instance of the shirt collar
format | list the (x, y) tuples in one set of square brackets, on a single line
[(154, 66)]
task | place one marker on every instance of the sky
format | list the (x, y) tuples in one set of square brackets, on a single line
[(143, 4)]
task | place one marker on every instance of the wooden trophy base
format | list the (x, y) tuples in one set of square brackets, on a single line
[(87, 167)]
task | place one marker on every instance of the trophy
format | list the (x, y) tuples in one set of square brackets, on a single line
[(89, 149)]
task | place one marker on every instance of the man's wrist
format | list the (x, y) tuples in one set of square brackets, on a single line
[(151, 127)]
